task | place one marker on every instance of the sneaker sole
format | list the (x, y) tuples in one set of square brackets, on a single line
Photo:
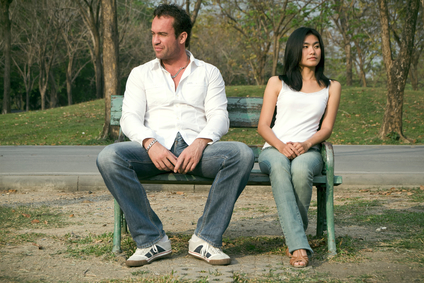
[(135, 263), (225, 261)]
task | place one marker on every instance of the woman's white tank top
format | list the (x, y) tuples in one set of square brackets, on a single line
[(298, 114)]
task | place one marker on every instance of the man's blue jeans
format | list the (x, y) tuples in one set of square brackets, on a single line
[(228, 163), (292, 182)]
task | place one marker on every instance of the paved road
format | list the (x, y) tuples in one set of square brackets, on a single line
[(73, 167)]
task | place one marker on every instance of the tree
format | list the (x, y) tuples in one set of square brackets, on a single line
[(262, 25), (90, 12), (73, 34), (110, 57), (418, 50), (49, 31), (6, 29), (397, 69), (26, 52), (193, 14)]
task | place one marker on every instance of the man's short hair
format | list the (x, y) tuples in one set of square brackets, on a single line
[(182, 21)]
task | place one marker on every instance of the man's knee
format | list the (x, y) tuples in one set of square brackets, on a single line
[(245, 153), (105, 157)]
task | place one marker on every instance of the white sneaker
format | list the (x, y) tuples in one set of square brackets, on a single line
[(147, 255), (202, 250)]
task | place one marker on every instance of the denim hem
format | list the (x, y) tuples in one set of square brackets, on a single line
[(207, 241), (154, 242)]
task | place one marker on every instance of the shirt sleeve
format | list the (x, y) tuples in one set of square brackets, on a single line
[(134, 109), (215, 107)]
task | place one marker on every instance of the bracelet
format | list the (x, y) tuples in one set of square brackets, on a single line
[(151, 144)]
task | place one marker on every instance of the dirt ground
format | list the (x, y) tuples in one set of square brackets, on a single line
[(91, 213)]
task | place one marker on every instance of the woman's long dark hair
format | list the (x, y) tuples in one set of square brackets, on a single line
[(293, 55)]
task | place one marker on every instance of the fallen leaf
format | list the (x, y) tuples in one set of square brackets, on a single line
[(37, 245), (409, 194), (46, 222), (180, 193), (26, 215), (87, 201), (71, 215), (422, 187), (35, 221)]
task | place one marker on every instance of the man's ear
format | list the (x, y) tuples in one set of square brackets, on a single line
[(182, 37)]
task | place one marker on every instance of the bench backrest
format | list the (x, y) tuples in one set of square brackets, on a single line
[(243, 113)]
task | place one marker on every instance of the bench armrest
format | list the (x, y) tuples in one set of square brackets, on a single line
[(327, 154)]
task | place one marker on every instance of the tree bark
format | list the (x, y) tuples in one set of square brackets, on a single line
[(6, 27), (342, 24), (397, 69), (91, 17), (110, 58)]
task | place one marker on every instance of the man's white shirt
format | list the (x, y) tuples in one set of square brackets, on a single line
[(153, 108)]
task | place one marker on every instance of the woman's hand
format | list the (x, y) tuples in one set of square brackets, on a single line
[(293, 149)]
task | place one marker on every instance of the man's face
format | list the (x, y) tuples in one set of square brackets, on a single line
[(165, 45)]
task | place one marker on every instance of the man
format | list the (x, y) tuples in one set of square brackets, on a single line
[(174, 112)]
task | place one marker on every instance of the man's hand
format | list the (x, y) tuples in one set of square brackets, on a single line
[(190, 156), (162, 158)]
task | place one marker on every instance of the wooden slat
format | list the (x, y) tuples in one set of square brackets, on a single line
[(244, 111), (115, 109), (256, 178)]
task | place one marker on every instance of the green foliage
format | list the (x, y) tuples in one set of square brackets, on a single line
[(358, 122), (79, 124)]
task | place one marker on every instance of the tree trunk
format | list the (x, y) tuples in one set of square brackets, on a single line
[(91, 16), (275, 54), (69, 78), (397, 70), (6, 26), (110, 58), (348, 63), (361, 65), (53, 92), (413, 72)]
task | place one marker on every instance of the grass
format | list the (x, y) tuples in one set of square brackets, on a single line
[(358, 122), (14, 219), (403, 237)]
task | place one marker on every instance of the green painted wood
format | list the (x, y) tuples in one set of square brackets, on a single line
[(115, 109), (256, 178), (244, 112)]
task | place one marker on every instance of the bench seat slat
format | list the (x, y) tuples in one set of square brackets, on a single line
[(256, 178)]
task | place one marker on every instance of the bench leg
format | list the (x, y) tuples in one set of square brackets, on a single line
[(329, 207), (321, 212), (117, 228)]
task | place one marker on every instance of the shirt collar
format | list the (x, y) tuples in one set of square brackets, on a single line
[(156, 62)]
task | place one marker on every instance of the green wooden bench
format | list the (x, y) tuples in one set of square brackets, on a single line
[(244, 113)]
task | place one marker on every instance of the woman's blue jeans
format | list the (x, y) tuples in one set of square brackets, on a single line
[(228, 163), (292, 182)]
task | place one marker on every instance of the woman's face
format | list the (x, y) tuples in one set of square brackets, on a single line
[(311, 51)]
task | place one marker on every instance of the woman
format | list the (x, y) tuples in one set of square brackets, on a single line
[(307, 103)]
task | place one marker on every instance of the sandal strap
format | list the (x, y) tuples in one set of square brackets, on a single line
[(299, 258), (288, 253)]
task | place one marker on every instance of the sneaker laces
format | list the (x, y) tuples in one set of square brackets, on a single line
[(147, 250), (210, 249)]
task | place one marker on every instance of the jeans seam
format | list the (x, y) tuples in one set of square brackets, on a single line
[(211, 192)]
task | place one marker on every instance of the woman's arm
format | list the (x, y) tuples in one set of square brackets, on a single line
[(328, 121), (272, 91)]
